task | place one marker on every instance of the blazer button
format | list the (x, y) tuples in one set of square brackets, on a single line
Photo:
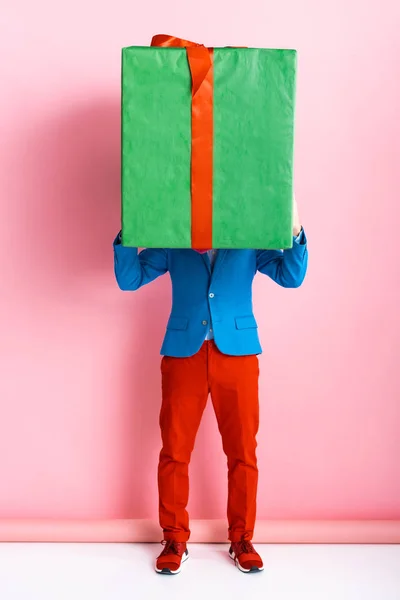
[(204, 322), (211, 295)]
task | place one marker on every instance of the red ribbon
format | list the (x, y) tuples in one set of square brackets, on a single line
[(200, 61)]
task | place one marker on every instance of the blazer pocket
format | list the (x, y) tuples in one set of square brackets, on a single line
[(177, 323), (248, 322)]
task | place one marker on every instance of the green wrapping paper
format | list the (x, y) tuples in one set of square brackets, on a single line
[(253, 134)]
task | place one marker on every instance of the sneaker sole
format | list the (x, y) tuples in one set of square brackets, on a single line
[(239, 566), (168, 571)]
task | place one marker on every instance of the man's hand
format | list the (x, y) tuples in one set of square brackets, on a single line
[(296, 219)]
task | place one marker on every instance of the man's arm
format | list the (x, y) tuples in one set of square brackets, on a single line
[(133, 270), (287, 267)]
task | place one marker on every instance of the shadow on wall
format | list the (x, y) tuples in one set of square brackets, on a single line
[(71, 197), (70, 192), (72, 167)]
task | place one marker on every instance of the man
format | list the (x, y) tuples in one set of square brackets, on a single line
[(210, 347)]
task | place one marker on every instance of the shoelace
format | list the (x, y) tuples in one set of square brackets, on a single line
[(246, 547), (170, 547)]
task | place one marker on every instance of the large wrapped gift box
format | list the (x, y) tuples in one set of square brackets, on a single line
[(207, 146)]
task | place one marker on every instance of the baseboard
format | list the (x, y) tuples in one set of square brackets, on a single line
[(215, 530)]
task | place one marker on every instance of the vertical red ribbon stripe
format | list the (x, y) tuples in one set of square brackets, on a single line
[(200, 61)]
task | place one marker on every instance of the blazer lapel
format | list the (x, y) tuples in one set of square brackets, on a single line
[(221, 255), (206, 261), (203, 257)]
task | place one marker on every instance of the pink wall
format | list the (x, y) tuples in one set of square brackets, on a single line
[(79, 379)]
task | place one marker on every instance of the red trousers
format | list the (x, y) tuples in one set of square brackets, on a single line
[(232, 382)]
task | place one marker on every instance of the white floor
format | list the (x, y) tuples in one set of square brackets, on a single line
[(122, 571)]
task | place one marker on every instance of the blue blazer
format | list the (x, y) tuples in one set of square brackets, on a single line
[(222, 296)]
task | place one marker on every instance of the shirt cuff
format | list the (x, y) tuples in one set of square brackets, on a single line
[(118, 239), (300, 239)]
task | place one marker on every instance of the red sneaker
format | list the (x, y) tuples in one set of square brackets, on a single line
[(171, 558), (245, 557)]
